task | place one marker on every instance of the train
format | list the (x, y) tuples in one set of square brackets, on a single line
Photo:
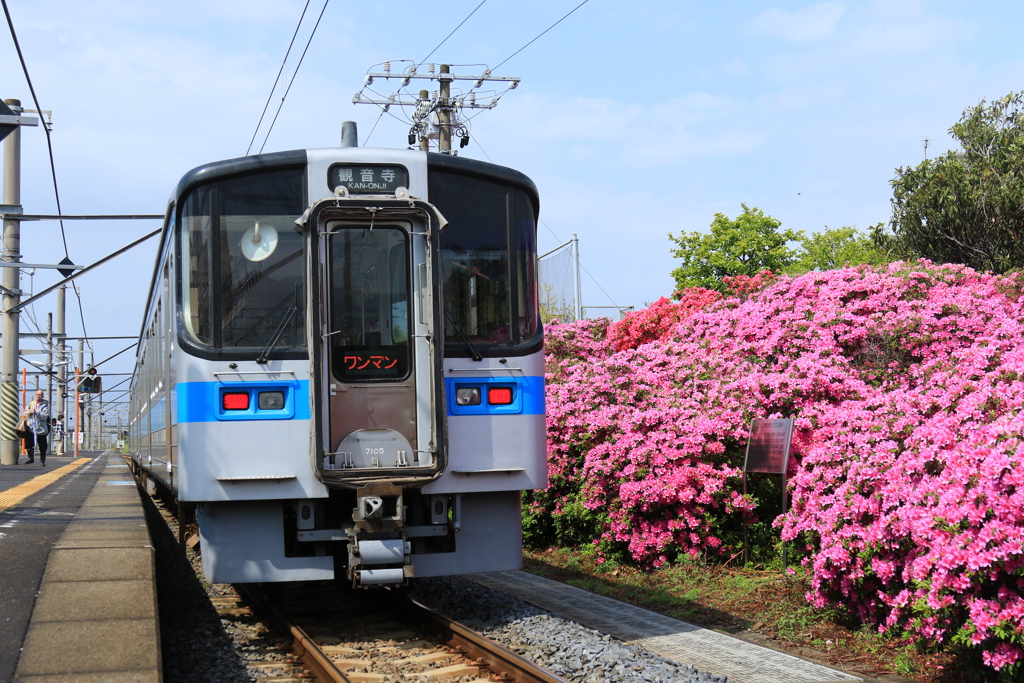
[(340, 371)]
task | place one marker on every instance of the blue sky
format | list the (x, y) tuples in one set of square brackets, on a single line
[(635, 120)]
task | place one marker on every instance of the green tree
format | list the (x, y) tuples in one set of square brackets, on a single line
[(838, 248), (967, 206), (746, 245)]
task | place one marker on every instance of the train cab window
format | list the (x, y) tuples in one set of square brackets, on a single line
[(243, 278), (488, 264), (369, 304)]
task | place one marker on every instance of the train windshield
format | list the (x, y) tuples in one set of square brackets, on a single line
[(488, 261), (243, 281)]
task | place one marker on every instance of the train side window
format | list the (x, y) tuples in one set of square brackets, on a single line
[(196, 250), (528, 310)]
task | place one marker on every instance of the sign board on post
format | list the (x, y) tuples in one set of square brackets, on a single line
[(768, 446), (768, 453)]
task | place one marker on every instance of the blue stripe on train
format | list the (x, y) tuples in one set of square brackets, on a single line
[(203, 401)]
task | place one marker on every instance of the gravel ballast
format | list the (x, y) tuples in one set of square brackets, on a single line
[(574, 652)]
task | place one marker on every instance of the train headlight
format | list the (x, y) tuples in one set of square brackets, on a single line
[(271, 400), (235, 400), (499, 396), (467, 396)]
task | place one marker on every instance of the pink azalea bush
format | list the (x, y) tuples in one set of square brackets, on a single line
[(906, 382)]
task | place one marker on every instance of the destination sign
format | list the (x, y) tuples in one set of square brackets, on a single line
[(362, 363), (368, 178)]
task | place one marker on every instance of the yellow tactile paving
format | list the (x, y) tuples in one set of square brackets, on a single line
[(13, 496)]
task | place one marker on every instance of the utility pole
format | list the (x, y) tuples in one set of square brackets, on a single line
[(444, 110), (440, 106), (10, 124)]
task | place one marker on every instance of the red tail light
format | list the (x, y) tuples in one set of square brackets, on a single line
[(499, 396), (235, 401)]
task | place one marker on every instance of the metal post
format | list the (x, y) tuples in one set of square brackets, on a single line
[(9, 414), (78, 412), (578, 295), (62, 372), (79, 408), (49, 363), (24, 404), (444, 111)]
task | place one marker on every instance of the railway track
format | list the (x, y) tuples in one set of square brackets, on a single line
[(296, 633), (370, 637)]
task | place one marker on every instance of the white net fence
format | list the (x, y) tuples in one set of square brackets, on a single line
[(557, 290)]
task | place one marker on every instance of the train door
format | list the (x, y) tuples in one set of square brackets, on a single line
[(377, 361)]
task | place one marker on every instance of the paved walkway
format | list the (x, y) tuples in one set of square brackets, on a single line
[(710, 651), (93, 613)]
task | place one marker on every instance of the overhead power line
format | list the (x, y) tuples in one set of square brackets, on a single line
[(277, 80), (294, 74), (384, 110), (542, 33), (46, 127), (451, 34), (49, 147)]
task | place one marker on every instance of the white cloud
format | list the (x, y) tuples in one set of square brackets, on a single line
[(809, 25)]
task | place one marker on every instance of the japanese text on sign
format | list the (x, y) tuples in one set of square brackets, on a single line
[(361, 363), (370, 363), (367, 178), (768, 446)]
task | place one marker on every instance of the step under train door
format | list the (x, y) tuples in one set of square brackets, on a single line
[(375, 346)]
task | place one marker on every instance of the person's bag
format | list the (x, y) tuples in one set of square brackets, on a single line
[(22, 429)]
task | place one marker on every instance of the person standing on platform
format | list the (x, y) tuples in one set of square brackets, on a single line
[(58, 435), (38, 415)]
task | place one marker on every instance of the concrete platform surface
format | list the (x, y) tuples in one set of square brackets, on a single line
[(95, 618), (679, 641)]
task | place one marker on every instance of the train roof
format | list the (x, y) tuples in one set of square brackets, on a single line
[(299, 157)]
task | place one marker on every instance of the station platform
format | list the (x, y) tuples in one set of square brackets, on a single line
[(711, 651), (77, 584)]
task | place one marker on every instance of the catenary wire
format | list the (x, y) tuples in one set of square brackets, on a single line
[(277, 80), (46, 129), (294, 74), (452, 33), (49, 147), (541, 34), (128, 348)]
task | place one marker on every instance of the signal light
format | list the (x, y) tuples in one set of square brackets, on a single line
[(235, 401), (499, 396), (467, 396), (271, 400)]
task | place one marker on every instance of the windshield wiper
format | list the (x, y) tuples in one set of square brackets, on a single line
[(465, 339), (262, 360)]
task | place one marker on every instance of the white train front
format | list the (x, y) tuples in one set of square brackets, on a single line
[(341, 368)]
